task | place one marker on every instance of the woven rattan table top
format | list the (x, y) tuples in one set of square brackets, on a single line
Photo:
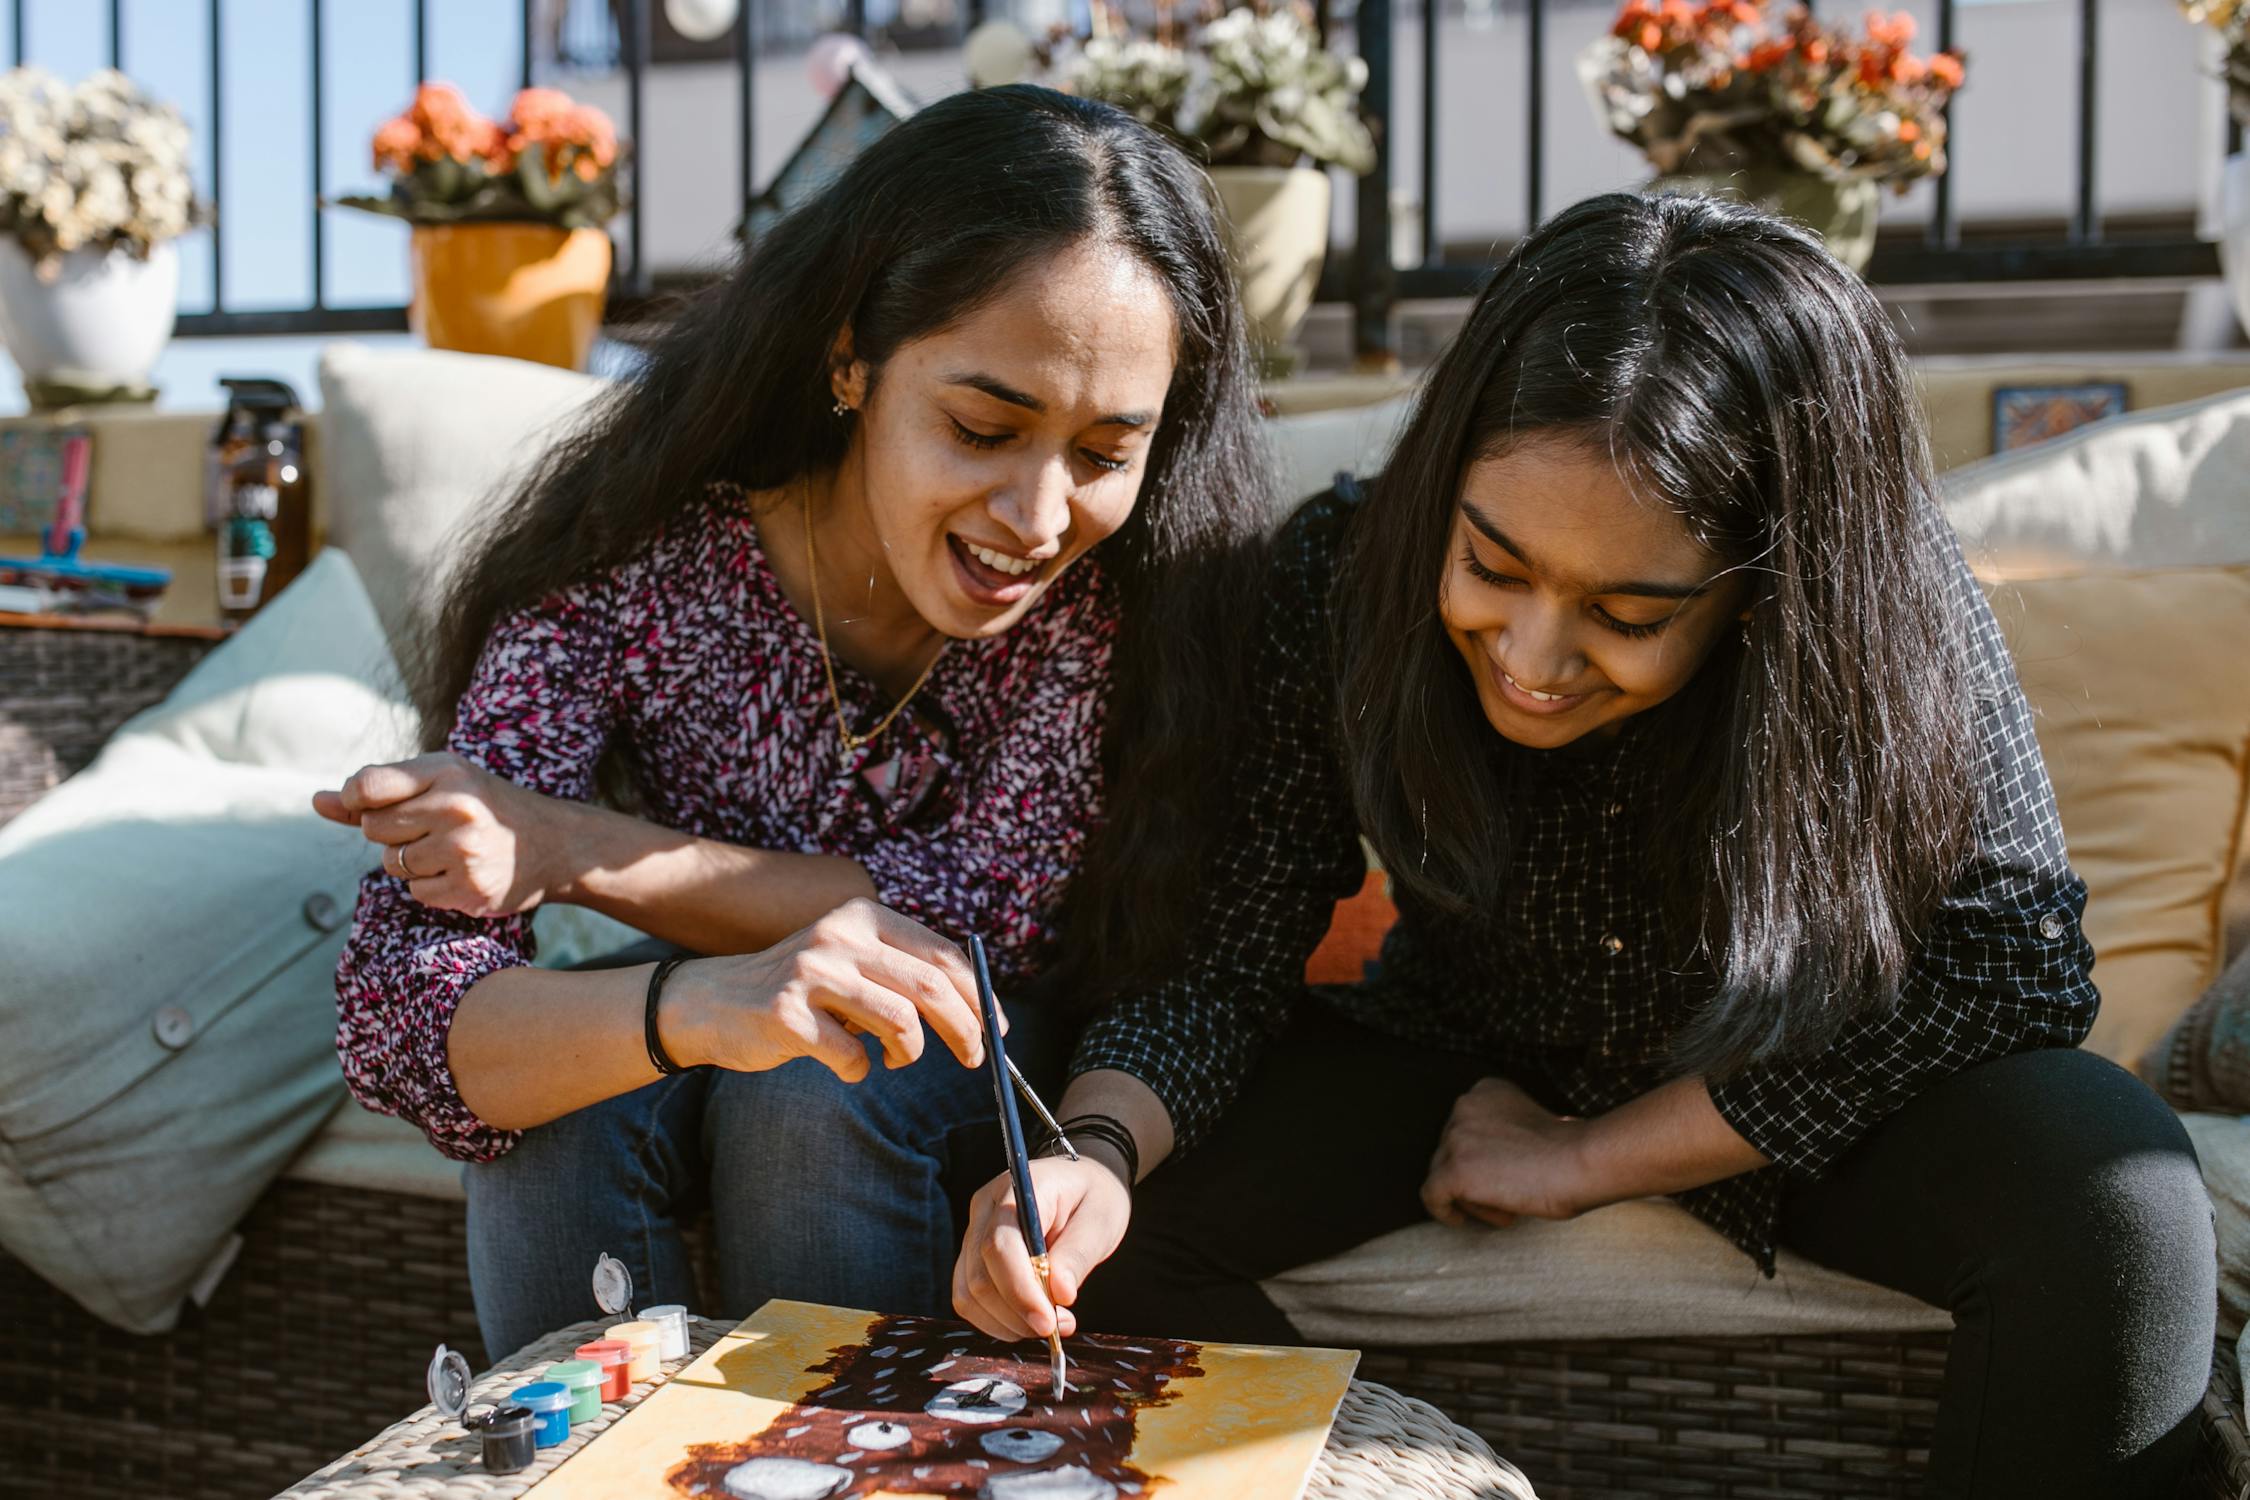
[(1384, 1446)]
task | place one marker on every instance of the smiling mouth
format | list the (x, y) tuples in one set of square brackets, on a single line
[(1531, 700), (992, 577)]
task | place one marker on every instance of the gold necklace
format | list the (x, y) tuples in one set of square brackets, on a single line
[(852, 742)]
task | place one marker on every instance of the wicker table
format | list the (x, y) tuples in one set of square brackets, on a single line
[(1383, 1445)]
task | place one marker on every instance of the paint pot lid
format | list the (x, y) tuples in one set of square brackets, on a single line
[(668, 1312), (613, 1285), (502, 1421), (448, 1383), (607, 1352), (575, 1373), (638, 1334), (542, 1395)]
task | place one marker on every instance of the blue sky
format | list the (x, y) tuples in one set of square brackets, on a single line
[(367, 76)]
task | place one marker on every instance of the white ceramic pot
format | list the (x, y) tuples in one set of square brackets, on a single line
[(2234, 231), (1278, 217), (101, 322)]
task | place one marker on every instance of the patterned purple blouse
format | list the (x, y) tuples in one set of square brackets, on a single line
[(690, 657)]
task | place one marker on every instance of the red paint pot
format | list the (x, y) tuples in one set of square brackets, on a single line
[(615, 1357)]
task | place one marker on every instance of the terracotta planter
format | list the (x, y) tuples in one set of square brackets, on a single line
[(1278, 220), (1842, 213), (528, 291)]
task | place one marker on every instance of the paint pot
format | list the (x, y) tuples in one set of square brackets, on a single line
[(614, 1358), (645, 1340), (583, 1378), (508, 1433), (549, 1402), (671, 1322)]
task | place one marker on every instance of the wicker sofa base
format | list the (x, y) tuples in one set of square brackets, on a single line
[(319, 1337), (1764, 1417)]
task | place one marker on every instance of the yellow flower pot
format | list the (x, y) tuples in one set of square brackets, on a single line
[(528, 291)]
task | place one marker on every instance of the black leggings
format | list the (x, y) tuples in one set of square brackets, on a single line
[(2049, 1199)]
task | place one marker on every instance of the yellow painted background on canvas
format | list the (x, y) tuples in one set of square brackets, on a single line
[(1248, 1428)]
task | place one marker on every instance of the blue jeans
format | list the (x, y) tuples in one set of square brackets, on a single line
[(817, 1189)]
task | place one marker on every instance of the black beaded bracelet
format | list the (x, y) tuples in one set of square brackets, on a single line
[(1112, 1131), (657, 1056)]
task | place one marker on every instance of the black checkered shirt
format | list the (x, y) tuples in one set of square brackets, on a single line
[(1569, 989)]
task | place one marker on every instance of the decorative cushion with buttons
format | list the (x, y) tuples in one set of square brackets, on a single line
[(173, 915)]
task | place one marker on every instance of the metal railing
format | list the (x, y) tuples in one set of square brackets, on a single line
[(560, 33), (1374, 285)]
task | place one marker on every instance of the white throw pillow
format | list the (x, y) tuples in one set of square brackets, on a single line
[(2158, 489), (173, 914), (416, 441)]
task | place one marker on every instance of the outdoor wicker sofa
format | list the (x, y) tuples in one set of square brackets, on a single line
[(318, 1335)]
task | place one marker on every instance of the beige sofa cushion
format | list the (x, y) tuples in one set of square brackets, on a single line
[(1634, 1270), (414, 442), (2141, 699)]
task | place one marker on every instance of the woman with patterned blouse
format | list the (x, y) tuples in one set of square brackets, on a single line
[(856, 598), (1726, 865)]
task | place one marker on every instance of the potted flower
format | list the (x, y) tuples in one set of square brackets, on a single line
[(1272, 108), (94, 189), (1805, 118), (2231, 20), (510, 254)]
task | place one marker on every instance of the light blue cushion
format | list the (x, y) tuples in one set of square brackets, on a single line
[(173, 915)]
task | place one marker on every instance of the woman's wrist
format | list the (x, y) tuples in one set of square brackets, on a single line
[(683, 1014), (576, 843)]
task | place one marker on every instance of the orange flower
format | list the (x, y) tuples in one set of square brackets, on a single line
[(1766, 56), (1633, 21), (594, 130), (1814, 50), (1650, 37), (397, 143), (1921, 150), (1946, 70), (1895, 30), (1908, 69), (1908, 130), (536, 108)]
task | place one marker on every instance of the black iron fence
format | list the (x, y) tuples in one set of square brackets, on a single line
[(632, 37)]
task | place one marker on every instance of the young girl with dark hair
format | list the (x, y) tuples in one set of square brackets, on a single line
[(863, 597), (1726, 865)]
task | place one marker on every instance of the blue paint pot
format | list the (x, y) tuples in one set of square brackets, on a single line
[(548, 1401)]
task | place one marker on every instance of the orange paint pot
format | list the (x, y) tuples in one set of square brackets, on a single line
[(614, 1357)]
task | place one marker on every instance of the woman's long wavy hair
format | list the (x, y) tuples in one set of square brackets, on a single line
[(1816, 779), (926, 226)]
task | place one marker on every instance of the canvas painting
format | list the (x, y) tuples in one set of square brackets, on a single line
[(804, 1402), (2026, 414)]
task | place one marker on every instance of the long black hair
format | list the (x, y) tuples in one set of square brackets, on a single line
[(928, 224), (1817, 778)]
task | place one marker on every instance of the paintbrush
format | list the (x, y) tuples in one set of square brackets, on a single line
[(1019, 1159)]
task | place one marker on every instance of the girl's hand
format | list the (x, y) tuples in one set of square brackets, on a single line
[(1505, 1156), (462, 838), (1083, 1207), (861, 970)]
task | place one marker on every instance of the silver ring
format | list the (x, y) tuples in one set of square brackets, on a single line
[(403, 872)]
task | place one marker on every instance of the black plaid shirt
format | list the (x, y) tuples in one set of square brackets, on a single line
[(1568, 990)]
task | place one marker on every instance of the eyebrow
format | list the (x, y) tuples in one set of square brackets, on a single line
[(1000, 390), (1635, 587)]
